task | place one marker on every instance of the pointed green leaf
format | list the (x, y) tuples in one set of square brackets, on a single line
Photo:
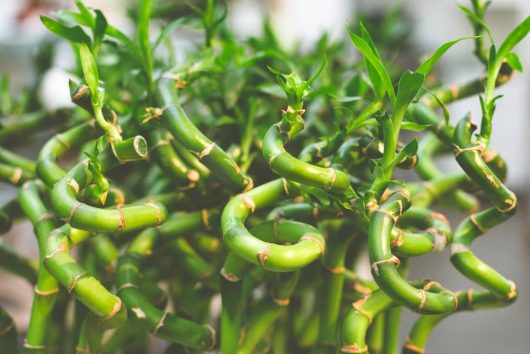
[(514, 61), (409, 85), (378, 65), (411, 148), (100, 27), (73, 34), (428, 64), (477, 21), (90, 71), (513, 39)]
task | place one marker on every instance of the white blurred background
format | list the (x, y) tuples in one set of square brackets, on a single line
[(434, 22)]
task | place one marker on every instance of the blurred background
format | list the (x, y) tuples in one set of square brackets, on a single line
[(426, 24)]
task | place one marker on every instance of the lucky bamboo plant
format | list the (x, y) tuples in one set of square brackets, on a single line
[(226, 175)]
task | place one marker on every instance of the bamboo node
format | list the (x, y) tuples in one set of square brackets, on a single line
[(439, 216), (72, 213), (333, 177), (459, 150), (358, 306), (115, 309), (126, 286), (75, 279), (204, 216), (375, 265), (512, 204), (263, 254), (26, 345), (158, 211), (399, 239), (120, 194), (412, 347), (315, 240), (121, 223), (281, 302), (160, 323), (469, 298), (138, 312), (440, 241), (206, 151), (423, 299), (16, 176), (47, 215), (73, 183), (249, 203), (285, 187), (458, 248), (229, 276), (62, 248), (249, 184), (474, 221), (353, 348), (43, 293), (430, 284), (513, 290)]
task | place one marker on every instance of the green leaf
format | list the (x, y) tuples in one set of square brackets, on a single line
[(85, 12), (409, 85), (6, 103), (73, 34), (90, 71), (365, 49), (411, 148), (100, 28), (512, 40), (377, 83), (315, 76), (145, 46), (514, 61), (477, 21), (413, 126), (428, 64), (168, 28), (441, 104)]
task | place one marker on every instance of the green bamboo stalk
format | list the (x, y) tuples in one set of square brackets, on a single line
[(307, 243), (46, 289), (359, 317), (376, 333), (393, 319), (165, 156), (384, 264), (157, 322), (20, 127), (267, 312), (15, 264), (429, 146), (8, 213), (334, 267), (15, 160), (85, 287), (209, 153), (67, 207), (47, 167), (470, 300), (14, 175), (468, 156), (289, 167)]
